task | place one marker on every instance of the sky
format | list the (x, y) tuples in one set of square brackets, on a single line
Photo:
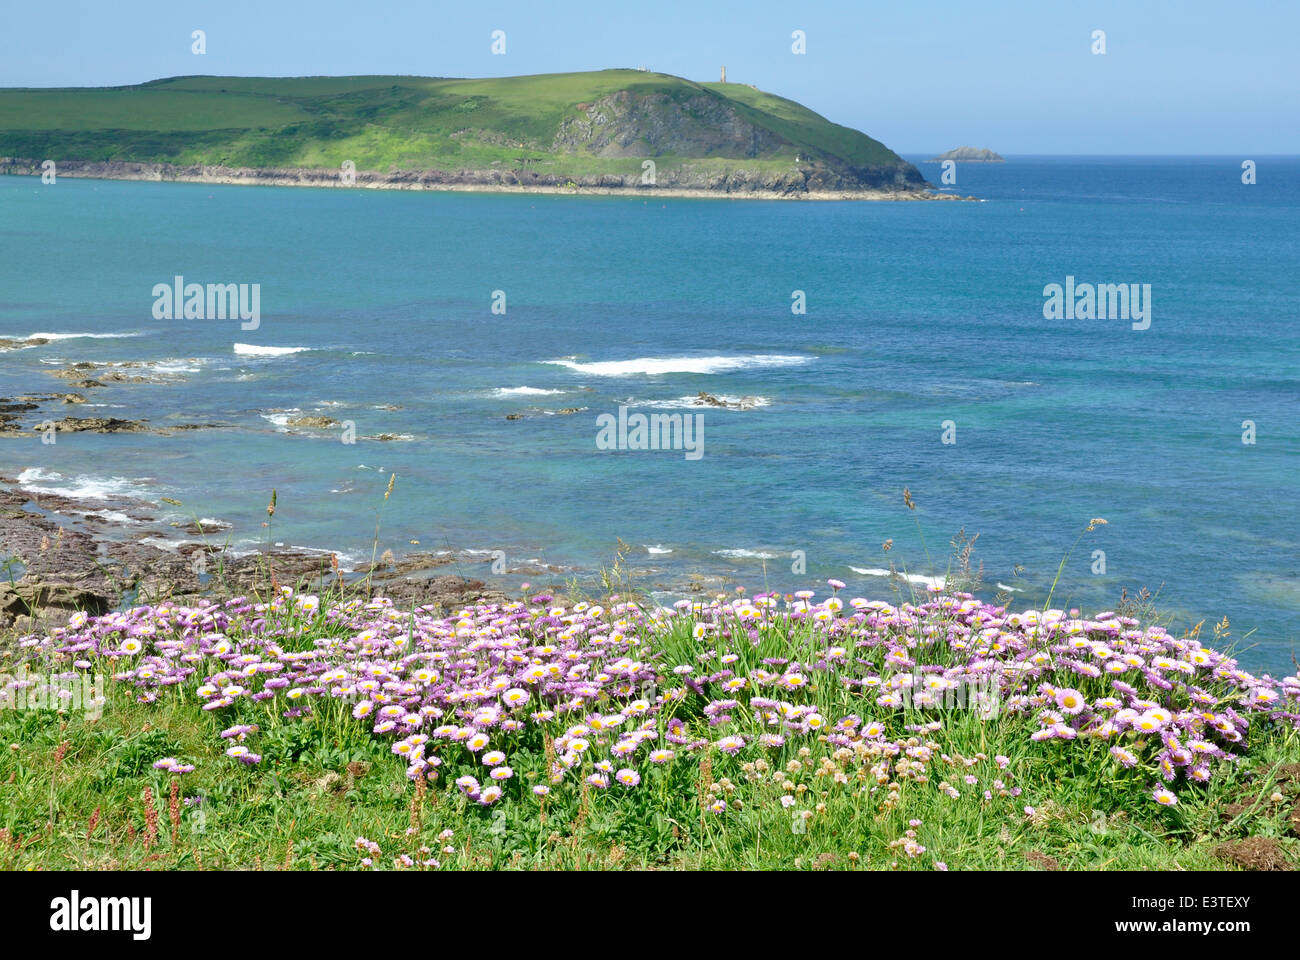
[(1015, 76)]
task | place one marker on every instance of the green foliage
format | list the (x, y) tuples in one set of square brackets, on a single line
[(130, 757), (325, 781)]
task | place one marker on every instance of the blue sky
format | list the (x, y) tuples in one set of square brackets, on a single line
[(1184, 77)]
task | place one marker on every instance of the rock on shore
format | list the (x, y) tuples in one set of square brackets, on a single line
[(810, 183), (57, 561)]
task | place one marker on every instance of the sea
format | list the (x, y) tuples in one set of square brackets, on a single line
[(506, 347)]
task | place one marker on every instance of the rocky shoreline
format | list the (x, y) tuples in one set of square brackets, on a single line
[(18, 412), (60, 555), (799, 186)]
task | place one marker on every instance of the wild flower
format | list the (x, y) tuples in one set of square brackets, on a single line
[(1070, 700), (472, 688)]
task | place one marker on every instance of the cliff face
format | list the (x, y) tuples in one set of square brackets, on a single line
[(625, 124)]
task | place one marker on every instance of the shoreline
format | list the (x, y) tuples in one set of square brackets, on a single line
[(477, 181), (62, 551), (62, 554), (70, 557)]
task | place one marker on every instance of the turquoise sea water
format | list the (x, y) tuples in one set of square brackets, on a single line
[(917, 314)]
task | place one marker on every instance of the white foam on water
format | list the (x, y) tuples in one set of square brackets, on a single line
[(693, 403), (280, 420), (346, 560), (657, 366), (173, 367), (83, 336), (742, 554), (909, 577), (524, 392), (249, 547), (109, 516), (36, 480), (256, 350), (656, 548)]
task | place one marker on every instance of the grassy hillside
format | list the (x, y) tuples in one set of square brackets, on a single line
[(602, 123)]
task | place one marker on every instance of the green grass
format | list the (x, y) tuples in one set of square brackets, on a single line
[(159, 109), (75, 788), (80, 790), (385, 123)]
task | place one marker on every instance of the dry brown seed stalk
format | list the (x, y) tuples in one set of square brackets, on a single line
[(705, 786), (150, 819), (416, 800), (174, 808), (581, 818)]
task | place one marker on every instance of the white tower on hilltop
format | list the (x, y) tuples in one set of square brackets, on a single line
[(724, 74)]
